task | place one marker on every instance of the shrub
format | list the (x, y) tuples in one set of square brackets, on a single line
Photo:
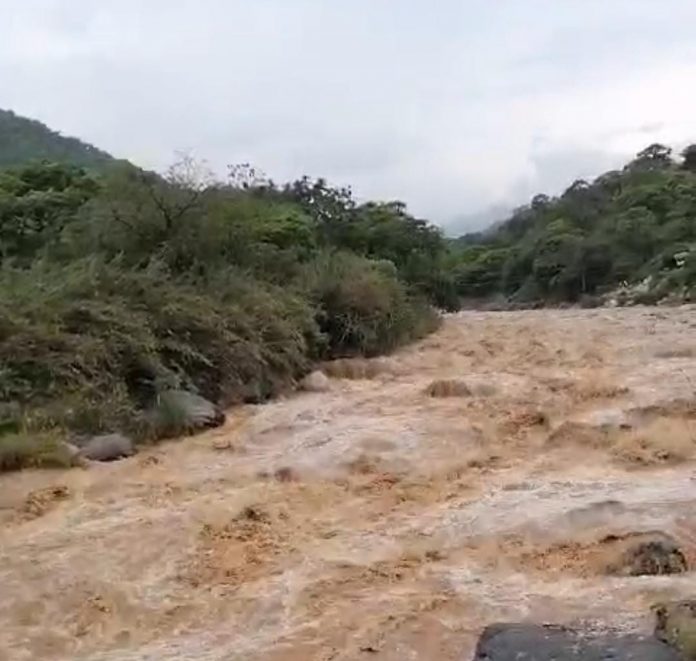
[(590, 301), (650, 297), (31, 450), (362, 307), (87, 345)]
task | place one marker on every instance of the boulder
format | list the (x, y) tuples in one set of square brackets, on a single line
[(531, 642), (315, 382), (649, 554), (107, 447), (72, 450), (186, 411), (73, 453), (448, 388), (676, 625)]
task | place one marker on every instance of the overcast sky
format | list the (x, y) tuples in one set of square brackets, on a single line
[(454, 106)]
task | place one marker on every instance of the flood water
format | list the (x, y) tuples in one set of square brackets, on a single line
[(373, 520)]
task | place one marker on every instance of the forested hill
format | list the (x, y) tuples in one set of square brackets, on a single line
[(625, 226), (23, 140)]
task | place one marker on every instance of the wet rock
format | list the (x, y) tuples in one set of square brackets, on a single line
[(676, 625), (71, 450), (530, 642), (648, 555), (74, 454), (186, 411), (107, 447), (315, 382), (448, 388)]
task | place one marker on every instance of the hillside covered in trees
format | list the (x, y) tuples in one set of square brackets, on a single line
[(23, 140), (632, 225)]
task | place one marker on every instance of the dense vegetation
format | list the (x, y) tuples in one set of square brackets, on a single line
[(633, 225), (116, 288), (23, 140), (117, 285)]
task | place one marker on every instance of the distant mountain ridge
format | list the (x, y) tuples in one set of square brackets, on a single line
[(23, 140)]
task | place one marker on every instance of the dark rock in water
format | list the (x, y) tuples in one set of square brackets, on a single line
[(185, 411), (676, 625), (650, 555), (530, 642), (108, 447)]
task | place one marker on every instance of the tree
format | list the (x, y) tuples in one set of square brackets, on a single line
[(540, 202), (636, 231), (557, 262), (654, 157), (331, 208), (483, 276), (689, 155), (656, 152), (36, 203)]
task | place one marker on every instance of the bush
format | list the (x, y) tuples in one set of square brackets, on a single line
[(30, 450), (589, 301), (650, 297), (89, 344), (362, 308)]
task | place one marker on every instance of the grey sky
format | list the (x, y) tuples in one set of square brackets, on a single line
[(452, 106)]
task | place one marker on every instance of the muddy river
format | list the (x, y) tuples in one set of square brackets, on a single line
[(374, 520)]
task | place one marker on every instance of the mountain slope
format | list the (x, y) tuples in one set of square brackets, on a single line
[(626, 226), (23, 140)]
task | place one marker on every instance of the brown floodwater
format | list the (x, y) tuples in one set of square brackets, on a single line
[(372, 520)]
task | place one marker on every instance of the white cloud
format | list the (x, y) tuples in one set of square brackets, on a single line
[(451, 107)]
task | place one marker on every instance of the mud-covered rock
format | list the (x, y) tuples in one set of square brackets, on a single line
[(654, 554), (448, 388), (676, 625), (71, 450), (107, 447), (315, 382), (530, 642), (73, 453)]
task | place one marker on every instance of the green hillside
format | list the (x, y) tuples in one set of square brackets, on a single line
[(632, 225), (23, 140)]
